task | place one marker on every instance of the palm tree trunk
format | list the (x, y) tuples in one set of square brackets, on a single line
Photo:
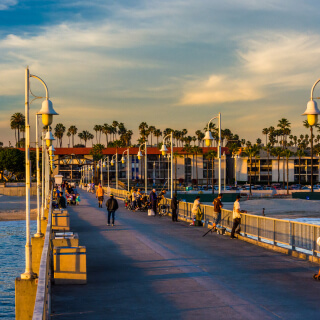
[(278, 169), (299, 170), (283, 175), (197, 170), (207, 174)]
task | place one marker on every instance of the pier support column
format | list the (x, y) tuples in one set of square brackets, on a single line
[(25, 297), (37, 246)]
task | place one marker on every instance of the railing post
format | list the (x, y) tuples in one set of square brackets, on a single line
[(274, 232), (258, 228), (313, 240)]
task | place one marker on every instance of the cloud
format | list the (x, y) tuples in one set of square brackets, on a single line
[(6, 4), (265, 64)]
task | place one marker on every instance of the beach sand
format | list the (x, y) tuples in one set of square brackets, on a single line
[(14, 208)]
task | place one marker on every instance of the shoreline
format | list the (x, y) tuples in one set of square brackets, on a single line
[(14, 215)]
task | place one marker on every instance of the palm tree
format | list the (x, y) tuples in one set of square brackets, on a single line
[(59, 130), (211, 155), (96, 129), (152, 129), (266, 132), (106, 130), (85, 136), (276, 152), (16, 122), (114, 126), (157, 133), (68, 135), (73, 130)]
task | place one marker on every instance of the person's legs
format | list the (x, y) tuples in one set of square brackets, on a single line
[(154, 207), (109, 214), (174, 215), (236, 222), (112, 212)]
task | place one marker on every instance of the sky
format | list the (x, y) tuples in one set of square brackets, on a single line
[(170, 63)]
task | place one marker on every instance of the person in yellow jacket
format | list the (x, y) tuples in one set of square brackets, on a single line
[(99, 195)]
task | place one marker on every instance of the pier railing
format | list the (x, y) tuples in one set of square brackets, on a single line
[(42, 307)]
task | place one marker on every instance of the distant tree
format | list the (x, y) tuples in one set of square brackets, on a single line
[(12, 160), (276, 152), (16, 122), (73, 130), (59, 130)]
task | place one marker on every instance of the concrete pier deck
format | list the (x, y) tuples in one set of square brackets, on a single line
[(151, 268)]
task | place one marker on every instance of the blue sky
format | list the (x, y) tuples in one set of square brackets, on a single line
[(169, 63)]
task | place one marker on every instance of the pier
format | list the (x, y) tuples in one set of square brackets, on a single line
[(151, 268)]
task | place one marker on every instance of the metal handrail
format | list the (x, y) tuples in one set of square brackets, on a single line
[(42, 303)]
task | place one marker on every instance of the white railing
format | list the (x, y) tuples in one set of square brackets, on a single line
[(42, 307)]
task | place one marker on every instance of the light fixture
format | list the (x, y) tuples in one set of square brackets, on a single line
[(208, 138), (163, 149), (49, 138), (47, 112)]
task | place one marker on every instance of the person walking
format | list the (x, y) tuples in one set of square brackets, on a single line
[(217, 206), (112, 206), (99, 195), (236, 217), (174, 208), (153, 200)]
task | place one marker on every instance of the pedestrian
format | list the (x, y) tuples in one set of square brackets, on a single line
[(217, 206), (196, 211), (174, 207), (153, 200), (236, 217), (61, 201), (78, 199), (99, 195), (134, 199), (112, 206), (139, 198)]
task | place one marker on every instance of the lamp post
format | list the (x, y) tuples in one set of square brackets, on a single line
[(108, 165), (47, 112), (163, 151), (208, 138), (128, 164), (139, 155), (312, 113), (112, 163)]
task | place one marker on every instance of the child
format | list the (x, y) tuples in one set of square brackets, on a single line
[(78, 199)]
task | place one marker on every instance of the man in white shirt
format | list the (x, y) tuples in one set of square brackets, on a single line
[(236, 216)]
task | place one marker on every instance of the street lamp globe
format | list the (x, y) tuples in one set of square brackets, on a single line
[(123, 159), (104, 164), (49, 138), (51, 150), (164, 149), (139, 155), (208, 138), (111, 162), (312, 112), (47, 112)]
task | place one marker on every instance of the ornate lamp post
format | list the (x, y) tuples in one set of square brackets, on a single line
[(208, 138), (312, 113), (145, 166), (164, 150)]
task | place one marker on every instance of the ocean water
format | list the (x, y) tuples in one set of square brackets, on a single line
[(12, 262)]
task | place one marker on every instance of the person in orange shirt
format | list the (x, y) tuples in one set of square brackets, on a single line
[(99, 195)]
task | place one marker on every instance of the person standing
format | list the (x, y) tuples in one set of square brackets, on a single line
[(174, 207), (217, 205), (153, 200), (112, 206), (99, 195), (196, 211), (236, 216)]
